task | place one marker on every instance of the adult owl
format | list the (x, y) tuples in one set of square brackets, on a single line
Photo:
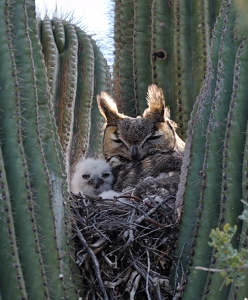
[(143, 148)]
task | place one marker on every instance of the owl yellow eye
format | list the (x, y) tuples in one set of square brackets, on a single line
[(86, 176), (105, 175)]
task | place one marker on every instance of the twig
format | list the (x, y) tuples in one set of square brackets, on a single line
[(102, 234), (130, 281), (147, 277), (140, 270), (94, 260), (99, 243), (109, 262), (152, 211), (120, 280), (149, 220), (135, 286), (130, 197), (131, 236)]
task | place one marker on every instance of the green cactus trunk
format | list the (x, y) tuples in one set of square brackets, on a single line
[(162, 42), (212, 191), (37, 152), (198, 56), (45, 119)]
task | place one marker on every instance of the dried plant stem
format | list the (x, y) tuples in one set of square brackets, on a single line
[(94, 261)]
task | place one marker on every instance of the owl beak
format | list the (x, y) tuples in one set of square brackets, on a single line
[(134, 153)]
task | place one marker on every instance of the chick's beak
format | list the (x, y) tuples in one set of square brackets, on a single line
[(97, 182)]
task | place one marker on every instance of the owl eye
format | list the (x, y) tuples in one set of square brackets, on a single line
[(154, 137), (105, 175), (86, 176), (116, 140)]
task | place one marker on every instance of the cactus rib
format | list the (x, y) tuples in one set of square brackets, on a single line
[(84, 97), (161, 41), (100, 74), (51, 56), (141, 53), (67, 93), (9, 257), (182, 61)]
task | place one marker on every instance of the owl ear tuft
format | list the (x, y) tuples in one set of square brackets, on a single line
[(156, 105), (108, 108)]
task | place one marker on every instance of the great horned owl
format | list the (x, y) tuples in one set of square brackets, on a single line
[(92, 177), (142, 147)]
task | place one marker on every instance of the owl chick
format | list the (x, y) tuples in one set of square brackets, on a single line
[(92, 177)]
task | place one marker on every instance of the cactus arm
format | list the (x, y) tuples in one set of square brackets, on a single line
[(194, 156), (209, 201), (242, 291), (56, 169), (84, 97), (40, 184), (234, 141), (16, 164), (161, 39), (9, 257), (236, 145), (141, 53)]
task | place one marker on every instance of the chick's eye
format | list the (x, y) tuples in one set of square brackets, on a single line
[(105, 175), (86, 176)]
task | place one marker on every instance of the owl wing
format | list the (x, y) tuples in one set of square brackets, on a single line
[(130, 175)]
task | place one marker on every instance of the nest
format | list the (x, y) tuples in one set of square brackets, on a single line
[(124, 246)]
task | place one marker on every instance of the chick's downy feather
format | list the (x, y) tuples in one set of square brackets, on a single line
[(92, 177)]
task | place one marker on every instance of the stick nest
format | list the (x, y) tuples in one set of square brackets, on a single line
[(124, 246)]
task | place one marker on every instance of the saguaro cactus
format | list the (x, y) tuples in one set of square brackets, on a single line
[(34, 186), (211, 181), (35, 226), (185, 57)]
